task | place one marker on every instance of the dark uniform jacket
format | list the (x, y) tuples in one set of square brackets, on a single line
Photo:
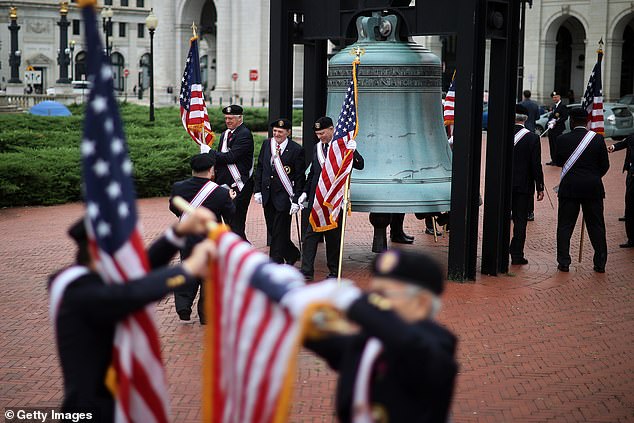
[(268, 182), (560, 114), (583, 180), (240, 153), (533, 113), (218, 202), (412, 378), (527, 165), (315, 170), (628, 164), (85, 326)]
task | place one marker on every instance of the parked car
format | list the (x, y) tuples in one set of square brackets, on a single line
[(629, 100), (298, 103), (618, 121)]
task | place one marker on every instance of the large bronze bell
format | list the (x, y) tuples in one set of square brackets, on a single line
[(401, 134)]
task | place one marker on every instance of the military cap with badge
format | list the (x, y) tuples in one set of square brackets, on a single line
[(322, 123), (233, 110)]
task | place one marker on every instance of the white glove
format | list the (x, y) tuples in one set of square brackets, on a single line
[(551, 124), (294, 208), (302, 199), (258, 197), (341, 295)]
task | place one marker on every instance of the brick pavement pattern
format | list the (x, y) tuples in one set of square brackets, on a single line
[(535, 345)]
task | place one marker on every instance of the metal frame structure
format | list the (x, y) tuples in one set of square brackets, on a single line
[(314, 23)]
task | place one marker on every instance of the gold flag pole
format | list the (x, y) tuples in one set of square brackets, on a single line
[(433, 221)]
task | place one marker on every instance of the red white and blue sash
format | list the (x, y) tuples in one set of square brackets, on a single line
[(233, 169), (58, 287), (203, 193), (279, 169)]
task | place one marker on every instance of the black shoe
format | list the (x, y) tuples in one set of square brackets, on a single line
[(531, 217), (332, 276), (628, 244), (551, 164), (184, 315), (622, 219), (400, 239), (520, 260), (599, 269), (293, 260), (308, 278), (203, 321), (430, 231), (563, 268), (408, 236)]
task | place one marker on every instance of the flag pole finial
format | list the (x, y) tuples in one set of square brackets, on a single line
[(357, 52), (600, 49), (194, 29)]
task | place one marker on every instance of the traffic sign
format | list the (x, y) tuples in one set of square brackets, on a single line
[(126, 72), (234, 76), (253, 75), (33, 77)]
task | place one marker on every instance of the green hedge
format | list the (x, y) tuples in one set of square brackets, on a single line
[(40, 161)]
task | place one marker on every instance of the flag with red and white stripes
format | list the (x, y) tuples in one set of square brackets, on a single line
[(251, 342), (192, 99), (448, 106), (593, 97), (115, 241), (338, 164)]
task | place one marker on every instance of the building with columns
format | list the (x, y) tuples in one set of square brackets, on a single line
[(560, 46)]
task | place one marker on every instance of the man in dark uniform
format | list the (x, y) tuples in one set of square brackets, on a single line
[(527, 175), (628, 167), (400, 367), (199, 190), (234, 164), (581, 186), (556, 125), (85, 310), (279, 181), (324, 130)]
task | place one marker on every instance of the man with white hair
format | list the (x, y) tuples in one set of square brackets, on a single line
[(527, 176)]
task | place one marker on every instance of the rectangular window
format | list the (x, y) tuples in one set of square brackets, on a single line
[(140, 30), (121, 29), (107, 2), (139, 3), (76, 26), (124, 3)]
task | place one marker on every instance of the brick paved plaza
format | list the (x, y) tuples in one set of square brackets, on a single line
[(535, 345)]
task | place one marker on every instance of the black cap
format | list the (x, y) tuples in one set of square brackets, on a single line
[(578, 113), (282, 123), (411, 268), (77, 231), (234, 110), (201, 162), (554, 93), (322, 123), (521, 110)]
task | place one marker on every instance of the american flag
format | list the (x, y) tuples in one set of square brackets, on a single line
[(115, 241), (449, 104), (338, 165), (193, 108), (593, 98), (251, 342)]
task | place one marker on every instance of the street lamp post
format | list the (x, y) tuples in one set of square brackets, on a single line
[(72, 60), (151, 22), (14, 57), (106, 19), (62, 55)]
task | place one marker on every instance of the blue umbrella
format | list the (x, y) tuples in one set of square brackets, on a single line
[(50, 108)]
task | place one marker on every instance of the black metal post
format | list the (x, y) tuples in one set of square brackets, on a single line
[(151, 74), (499, 170), (315, 90), (465, 177), (72, 60), (520, 51), (280, 61), (62, 56), (107, 29), (14, 57)]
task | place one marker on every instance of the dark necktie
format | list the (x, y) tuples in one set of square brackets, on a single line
[(324, 146), (229, 137), (278, 151)]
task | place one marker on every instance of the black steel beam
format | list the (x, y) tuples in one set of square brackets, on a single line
[(280, 61), (463, 239), (315, 91), (499, 153)]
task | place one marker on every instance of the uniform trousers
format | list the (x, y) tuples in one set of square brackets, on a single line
[(185, 295), (629, 205), (242, 201), (595, 224), (278, 224), (551, 144), (519, 213), (309, 251)]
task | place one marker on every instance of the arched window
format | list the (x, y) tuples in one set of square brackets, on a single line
[(204, 72), (117, 69), (80, 66), (144, 75)]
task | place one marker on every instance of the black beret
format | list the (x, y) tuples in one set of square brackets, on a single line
[(201, 162), (521, 110), (411, 268), (77, 231), (322, 123), (282, 123), (554, 93), (234, 110), (578, 113)]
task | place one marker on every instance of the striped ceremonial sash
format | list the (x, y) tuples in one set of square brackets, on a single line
[(233, 169), (585, 141), (58, 287), (362, 412), (519, 135), (281, 173), (200, 197)]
